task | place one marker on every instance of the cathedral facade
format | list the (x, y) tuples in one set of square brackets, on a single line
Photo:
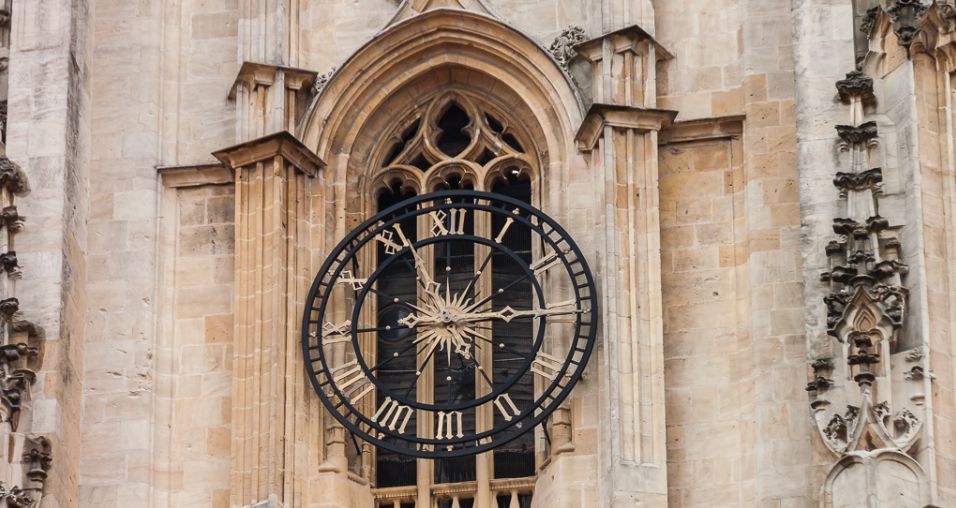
[(477, 253)]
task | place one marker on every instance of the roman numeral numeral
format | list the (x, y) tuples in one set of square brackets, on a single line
[(546, 263), (506, 407), (390, 413), (333, 333), (456, 222), (347, 278), (386, 238), (449, 425), (547, 366), (351, 380)]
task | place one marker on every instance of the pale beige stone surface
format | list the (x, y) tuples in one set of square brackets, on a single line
[(707, 249)]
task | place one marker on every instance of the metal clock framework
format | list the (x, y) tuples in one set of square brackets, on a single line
[(449, 326)]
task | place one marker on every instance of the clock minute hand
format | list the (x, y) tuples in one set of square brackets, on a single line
[(508, 314)]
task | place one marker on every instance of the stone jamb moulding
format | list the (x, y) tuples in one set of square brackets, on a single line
[(620, 135), (276, 179)]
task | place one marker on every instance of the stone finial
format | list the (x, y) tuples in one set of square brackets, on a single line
[(12, 177), (563, 46), (855, 85), (947, 16), (869, 20), (322, 81), (907, 17), (867, 180), (858, 134)]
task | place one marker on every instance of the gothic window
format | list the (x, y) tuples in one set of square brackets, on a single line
[(456, 140)]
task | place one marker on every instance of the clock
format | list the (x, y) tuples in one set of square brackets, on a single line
[(449, 324)]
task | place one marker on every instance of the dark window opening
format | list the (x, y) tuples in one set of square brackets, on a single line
[(513, 141), (494, 124), (392, 469), (400, 145), (515, 459), (421, 163), (524, 501), (454, 137), (486, 157), (454, 375)]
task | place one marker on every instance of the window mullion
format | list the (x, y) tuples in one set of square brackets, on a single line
[(484, 465), (425, 391)]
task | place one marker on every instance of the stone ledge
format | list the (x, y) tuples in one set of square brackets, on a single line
[(281, 143), (722, 127), (625, 117), (195, 175)]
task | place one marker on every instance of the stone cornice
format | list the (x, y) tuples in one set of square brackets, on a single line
[(265, 74), (628, 36), (195, 175), (722, 127), (281, 143), (625, 117)]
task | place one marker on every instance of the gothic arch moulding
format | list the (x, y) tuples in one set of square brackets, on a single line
[(437, 52), (881, 478)]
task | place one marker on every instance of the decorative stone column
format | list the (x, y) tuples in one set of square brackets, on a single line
[(276, 423), (620, 136), (270, 98)]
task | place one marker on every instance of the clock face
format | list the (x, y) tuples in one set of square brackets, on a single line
[(449, 324)]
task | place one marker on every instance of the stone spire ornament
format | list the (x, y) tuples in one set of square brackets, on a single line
[(907, 17), (867, 397)]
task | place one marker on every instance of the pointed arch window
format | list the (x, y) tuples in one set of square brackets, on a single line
[(457, 140)]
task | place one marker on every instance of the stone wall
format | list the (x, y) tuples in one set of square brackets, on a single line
[(195, 351), (132, 279), (49, 136), (703, 258), (118, 374)]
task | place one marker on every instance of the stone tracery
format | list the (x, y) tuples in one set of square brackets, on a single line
[(484, 147)]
